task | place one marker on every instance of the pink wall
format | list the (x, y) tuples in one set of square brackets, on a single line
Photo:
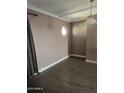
[(50, 44)]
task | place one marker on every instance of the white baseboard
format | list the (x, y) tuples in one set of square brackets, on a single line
[(45, 68), (35, 73), (78, 55), (91, 61)]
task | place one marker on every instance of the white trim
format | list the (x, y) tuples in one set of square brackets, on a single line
[(46, 13), (45, 68), (91, 61), (81, 56), (35, 73)]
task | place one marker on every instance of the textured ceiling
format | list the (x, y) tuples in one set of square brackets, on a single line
[(71, 10)]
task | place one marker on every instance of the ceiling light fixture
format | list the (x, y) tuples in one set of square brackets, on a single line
[(91, 19)]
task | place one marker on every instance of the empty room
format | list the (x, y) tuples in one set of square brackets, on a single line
[(62, 46)]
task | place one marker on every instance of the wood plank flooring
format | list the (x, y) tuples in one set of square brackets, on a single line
[(73, 75)]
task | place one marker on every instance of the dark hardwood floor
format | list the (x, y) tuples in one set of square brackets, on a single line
[(73, 75)]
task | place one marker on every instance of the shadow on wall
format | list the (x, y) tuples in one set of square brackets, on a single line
[(84, 40)]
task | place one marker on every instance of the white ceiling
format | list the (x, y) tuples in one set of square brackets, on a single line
[(69, 10)]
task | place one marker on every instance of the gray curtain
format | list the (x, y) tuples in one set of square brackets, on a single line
[(31, 54)]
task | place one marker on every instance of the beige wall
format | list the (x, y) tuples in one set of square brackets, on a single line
[(91, 49), (84, 39), (50, 44), (78, 38)]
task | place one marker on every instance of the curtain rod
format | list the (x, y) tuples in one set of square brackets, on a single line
[(34, 14)]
